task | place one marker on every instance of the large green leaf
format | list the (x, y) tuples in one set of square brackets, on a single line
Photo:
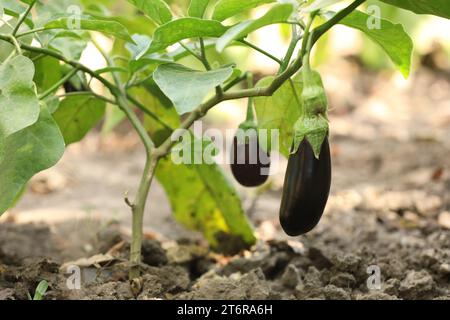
[(227, 8), (25, 153), (440, 8), (19, 105), (76, 115), (184, 28), (391, 37), (85, 22), (277, 14), (187, 88), (157, 10), (197, 8), (280, 111), (202, 199)]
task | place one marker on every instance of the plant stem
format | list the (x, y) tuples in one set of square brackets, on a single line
[(234, 82), (138, 209), (23, 17), (23, 34), (203, 56), (294, 40), (87, 93), (267, 54), (250, 112)]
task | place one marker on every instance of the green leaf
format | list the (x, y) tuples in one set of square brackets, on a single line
[(77, 115), (391, 37), (197, 8), (157, 10), (41, 289), (319, 4), (225, 9), (202, 199), (89, 23), (141, 44), (19, 104), (70, 45), (48, 72), (280, 111), (277, 14), (440, 8), (187, 88), (184, 28), (26, 153)]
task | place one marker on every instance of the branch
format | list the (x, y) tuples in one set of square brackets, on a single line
[(59, 83), (267, 54), (23, 17)]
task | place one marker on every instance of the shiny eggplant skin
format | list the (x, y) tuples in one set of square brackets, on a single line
[(246, 173), (306, 189)]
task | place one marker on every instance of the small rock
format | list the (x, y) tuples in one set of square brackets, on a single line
[(291, 277), (153, 254), (334, 293), (313, 278), (343, 280), (252, 286), (123, 291), (375, 295), (7, 294), (444, 269), (417, 284), (347, 262), (444, 219), (391, 286)]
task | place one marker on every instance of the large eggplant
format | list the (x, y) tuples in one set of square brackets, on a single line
[(306, 189), (247, 170)]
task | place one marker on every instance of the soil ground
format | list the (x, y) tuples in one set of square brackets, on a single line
[(389, 208)]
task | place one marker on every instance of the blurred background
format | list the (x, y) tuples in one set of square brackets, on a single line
[(390, 140)]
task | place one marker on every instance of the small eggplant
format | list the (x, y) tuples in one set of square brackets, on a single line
[(250, 164), (306, 189)]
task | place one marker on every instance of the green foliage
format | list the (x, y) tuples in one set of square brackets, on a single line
[(19, 105), (157, 10), (280, 111), (89, 23), (41, 289), (187, 88), (25, 153), (184, 28), (202, 199), (277, 14), (440, 8), (48, 72), (197, 8), (76, 115), (225, 9), (391, 37)]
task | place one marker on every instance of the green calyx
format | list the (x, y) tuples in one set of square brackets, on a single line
[(313, 124), (314, 129), (248, 125)]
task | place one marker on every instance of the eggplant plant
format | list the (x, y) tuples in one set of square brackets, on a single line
[(48, 99)]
